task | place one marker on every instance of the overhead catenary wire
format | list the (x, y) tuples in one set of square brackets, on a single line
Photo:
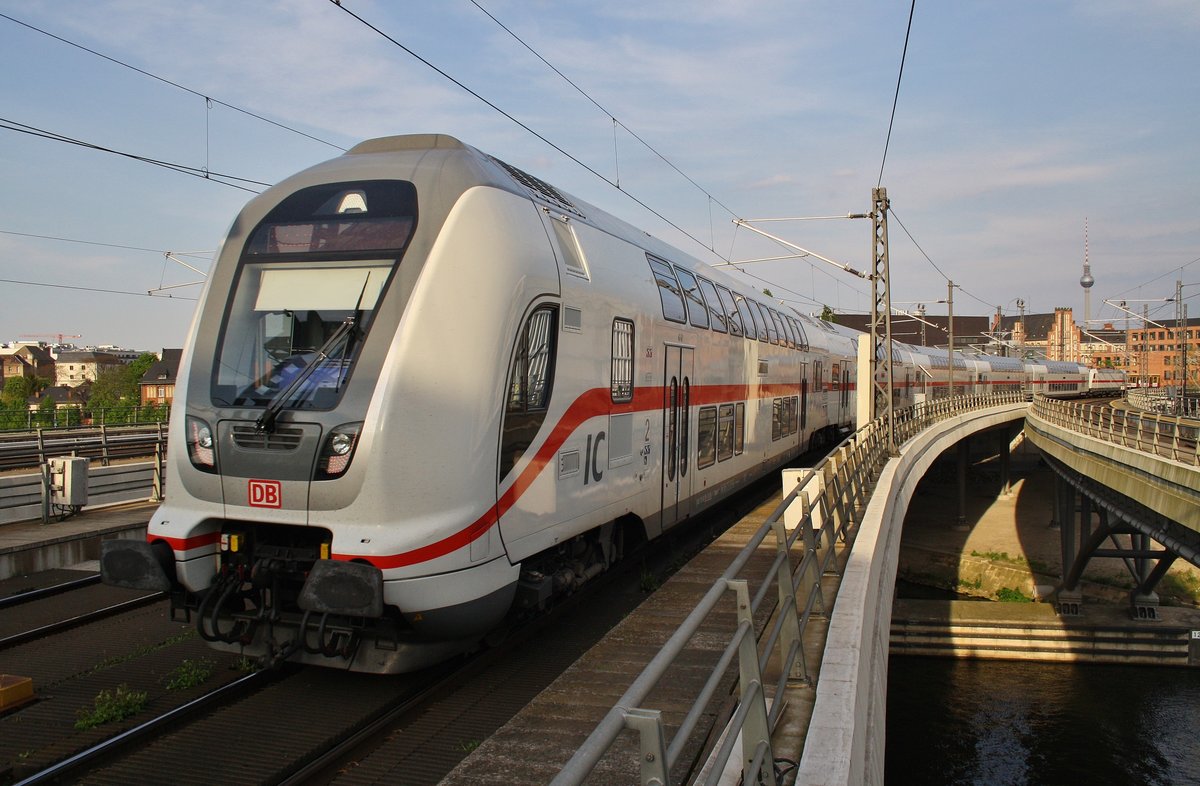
[(525, 126), (200, 172), (176, 85), (197, 254), (89, 289), (896, 98), (597, 104)]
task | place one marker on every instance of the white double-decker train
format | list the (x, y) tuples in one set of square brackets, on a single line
[(423, 387)]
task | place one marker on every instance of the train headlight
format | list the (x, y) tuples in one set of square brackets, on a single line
[(337, 451), (200, 444)]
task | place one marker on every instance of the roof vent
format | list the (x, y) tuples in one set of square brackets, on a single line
[(539, 188)]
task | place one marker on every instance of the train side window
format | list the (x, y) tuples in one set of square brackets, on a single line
[(739, 427), (787, 330), (716, 315), (696, 308), (530, 382), (726, 433), (768, 323), (753, 328), (622, 361), (776, 419), (706, 438), (801, 339), (727, 305), (793, 416), (668, 290)]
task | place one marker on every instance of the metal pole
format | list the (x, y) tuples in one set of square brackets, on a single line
[(881, 319), (1144, 362), (1181, 343), (950, 325)]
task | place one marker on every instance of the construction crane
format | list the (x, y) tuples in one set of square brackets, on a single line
[(58, 336)]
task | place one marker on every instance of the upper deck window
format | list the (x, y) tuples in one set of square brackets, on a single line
[(375, 215), (668, 290)]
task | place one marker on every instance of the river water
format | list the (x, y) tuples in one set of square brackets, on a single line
[(1013, 722)]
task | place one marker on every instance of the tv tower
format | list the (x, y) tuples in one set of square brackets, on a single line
[(1086, 281)]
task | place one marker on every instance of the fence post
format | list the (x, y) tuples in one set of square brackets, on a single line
[(756, 731), (45, 470), (104, 444), (649, 727), (790, 632), (156, 494)]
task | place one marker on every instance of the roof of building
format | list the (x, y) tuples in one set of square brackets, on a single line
[(165, 370), (968, 330), (87, 356)]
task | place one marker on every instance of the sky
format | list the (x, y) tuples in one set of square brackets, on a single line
[(1017, 123)]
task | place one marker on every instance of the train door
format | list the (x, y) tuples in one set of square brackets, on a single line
[(676, 465)]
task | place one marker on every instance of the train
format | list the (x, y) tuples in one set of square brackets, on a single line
[(425, 390)]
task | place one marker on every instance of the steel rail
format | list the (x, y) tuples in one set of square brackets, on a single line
[(146, 729), (28, 596), (79, 620)]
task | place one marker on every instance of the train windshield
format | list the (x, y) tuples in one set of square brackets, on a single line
[(300, 320), (312, 274)]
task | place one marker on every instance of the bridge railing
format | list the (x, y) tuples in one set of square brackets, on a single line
[(832, 496), (1166, 401), (1161, 435), (19, 450), (114, 472)]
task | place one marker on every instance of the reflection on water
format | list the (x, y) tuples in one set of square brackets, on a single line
[(1010, 722)]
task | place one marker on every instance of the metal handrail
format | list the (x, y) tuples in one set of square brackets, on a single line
[(832, 496), (106, 443), (1166, 436)]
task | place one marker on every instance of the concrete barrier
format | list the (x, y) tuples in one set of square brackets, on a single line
[(846, 736)]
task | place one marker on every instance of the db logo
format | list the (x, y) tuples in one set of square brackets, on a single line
[(265, 494)]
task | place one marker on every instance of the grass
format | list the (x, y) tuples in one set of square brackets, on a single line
[(112, 705), (1010, 595), (190, 673)]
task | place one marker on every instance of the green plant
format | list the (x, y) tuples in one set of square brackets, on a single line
[(648, 581), (112, 705), (976, 584), (244, 665), (190, 673), (1010, 595), (468, 745)]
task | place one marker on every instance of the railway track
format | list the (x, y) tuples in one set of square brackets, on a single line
[(303, 725)]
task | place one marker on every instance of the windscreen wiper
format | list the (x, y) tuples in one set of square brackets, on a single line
[(266, 421)]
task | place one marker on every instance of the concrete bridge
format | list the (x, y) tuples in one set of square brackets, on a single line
[(1137, 473), (1140, 474)]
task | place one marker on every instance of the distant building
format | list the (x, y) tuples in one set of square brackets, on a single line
[(158, 383), (26, 360), (75, 368), (61, 395), (1156, 354), (969, 331)]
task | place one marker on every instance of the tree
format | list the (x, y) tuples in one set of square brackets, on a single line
[(120, 387), (828, 315)]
